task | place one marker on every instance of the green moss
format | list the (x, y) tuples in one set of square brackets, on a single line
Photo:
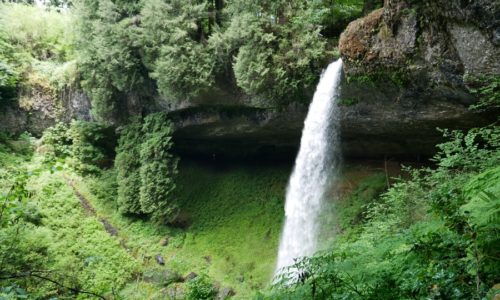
[(380, 78), (245, 206), (348, 101)]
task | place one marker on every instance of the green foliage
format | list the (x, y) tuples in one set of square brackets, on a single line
[(431, 236), (272, 50), (351, 210), (36, 47), (147, 168), (218, 201), (276, 61), (486, 88), (8, 81), (158, 169), (58, 141), (176, 51), (108, 60), (42, 34), (199, 288), (127, 164), (106, 186), (92, 147), (49, 247), (334, 17)]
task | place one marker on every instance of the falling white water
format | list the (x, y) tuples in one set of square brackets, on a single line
[(315, 165)]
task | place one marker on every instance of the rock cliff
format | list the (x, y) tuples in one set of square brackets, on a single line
[(409, 68), (37, 110)]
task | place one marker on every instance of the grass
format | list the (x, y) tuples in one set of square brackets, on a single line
[(234, 214), (71, 245), (79, 241)]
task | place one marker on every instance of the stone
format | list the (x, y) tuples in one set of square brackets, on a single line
[(162, 276), (225, 293), (37, 109), (164, 241), (190, 276), (159, 259)]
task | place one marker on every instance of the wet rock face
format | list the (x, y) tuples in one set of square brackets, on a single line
[(37, 110), (371, 128), (441, 38)]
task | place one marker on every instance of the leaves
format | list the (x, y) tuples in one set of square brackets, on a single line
[(147, 169)]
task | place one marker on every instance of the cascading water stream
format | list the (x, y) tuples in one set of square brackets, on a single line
[(315, 166)]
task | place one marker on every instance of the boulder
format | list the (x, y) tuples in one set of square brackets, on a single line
[(164, 277)]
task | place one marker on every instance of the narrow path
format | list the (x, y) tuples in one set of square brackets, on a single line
[(91, 212)]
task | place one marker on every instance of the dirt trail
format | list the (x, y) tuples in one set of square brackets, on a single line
[(91, 212)]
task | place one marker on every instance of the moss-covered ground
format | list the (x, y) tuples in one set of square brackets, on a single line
[(229, 227)]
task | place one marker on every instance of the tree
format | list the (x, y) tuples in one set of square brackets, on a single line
[(158, 169), (147, 168)]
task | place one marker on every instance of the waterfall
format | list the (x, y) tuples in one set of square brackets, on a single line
[(315, 166)]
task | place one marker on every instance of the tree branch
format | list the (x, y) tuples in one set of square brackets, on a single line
[(43, 277)]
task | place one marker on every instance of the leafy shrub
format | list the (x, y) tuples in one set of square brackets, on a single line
[(93, 146), (40, 32), (486, 88), (105, 186), (158, 168), (35, 45), (58, 140), (108, 59), (180, 62), (273, 58), (199, 288)]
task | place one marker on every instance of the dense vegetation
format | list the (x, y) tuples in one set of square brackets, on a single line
[(53, 244), (36, 53), (271, 50), (434, 235)]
